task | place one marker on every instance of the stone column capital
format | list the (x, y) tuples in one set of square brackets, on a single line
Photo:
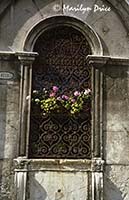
[(26, 58), (21, 163), (97, 164), (106, 61)]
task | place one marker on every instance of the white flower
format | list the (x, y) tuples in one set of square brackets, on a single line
[(76, 93), (44, 90), (28, 97), (86, 92), (35, 91), (37, 100)]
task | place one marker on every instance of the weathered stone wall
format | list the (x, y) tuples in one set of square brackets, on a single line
[(9, 124), (16, 20), (116, 134)]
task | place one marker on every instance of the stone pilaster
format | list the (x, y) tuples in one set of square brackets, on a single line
[(97, 178), (26, 60)]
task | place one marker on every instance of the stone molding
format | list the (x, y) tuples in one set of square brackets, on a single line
[(24, 166), (26, 58), (7, 56), (105, 61), (97, 165), (21, 163), (63, 20)]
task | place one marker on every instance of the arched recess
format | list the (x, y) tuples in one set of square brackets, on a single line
[(95, 47), (55, 21), (92, 47), (61, 133)]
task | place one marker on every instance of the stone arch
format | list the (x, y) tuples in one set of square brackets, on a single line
[(55, 21)]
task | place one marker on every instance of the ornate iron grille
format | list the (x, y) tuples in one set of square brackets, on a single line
[(62, 62)]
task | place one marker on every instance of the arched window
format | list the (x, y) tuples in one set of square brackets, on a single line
[(73, 137), (63, 132)]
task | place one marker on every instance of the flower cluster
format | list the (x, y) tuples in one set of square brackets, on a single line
[(55, 101)]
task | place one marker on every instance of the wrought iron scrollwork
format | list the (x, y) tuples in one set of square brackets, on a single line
[(62, 62)]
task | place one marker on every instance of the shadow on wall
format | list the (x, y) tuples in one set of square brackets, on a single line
[(37, 192), (111, 191)]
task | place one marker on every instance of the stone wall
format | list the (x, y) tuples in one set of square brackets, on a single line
[(115, 126), (116, 134), (9, 123)]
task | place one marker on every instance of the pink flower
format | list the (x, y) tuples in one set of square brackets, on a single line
[(73, 100), (55, 88), (52, 94), (76, 93), (65, 97)]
